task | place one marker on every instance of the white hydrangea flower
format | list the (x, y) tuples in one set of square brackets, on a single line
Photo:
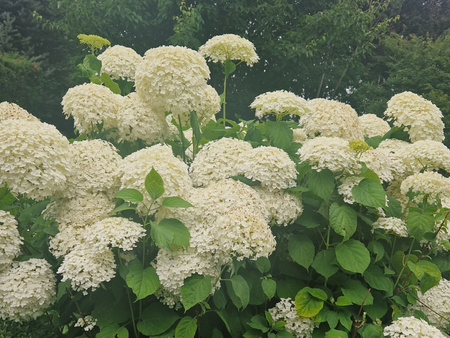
[(373, 126), (426, 154), (10, 239), (438, 299), (117, 232), (209, 106), (34, 158), (299, 327), (135, 167), (86, 322), (379, 161), (27, 289), (218, 160), (396, 151), (331, 153), (299, 135), (346, 186), (136, 120), (284, 208), (392, 224), (421, 117), (66, 240), (229, 47), (329, 118), (87, 267), (94, 169), (14, 112), (172, 79), (90, 105), (271, 166), (410, 327), (281, 103), (431, 183), (120, 62)]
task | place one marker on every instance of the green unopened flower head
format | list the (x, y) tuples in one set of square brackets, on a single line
[(359, 146), (94, 42)]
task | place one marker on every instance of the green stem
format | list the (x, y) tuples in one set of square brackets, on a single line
[(182, 138), (224, 98), (403, 266), (136, 334)]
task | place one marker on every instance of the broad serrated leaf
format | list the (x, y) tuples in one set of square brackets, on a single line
[(325, 263), (333, 333), (269, 287), (154, 184), (176, 202), (355, 291), (343, 220), (394, 208), (302, 250), (143, 282), (157, 318), (279, 133), (343, 301), (369, 193), (170, 232), (123, 207), (309, 301), (195, 125), (376, 248), (108, 82), (426, 272), (376, 278), (258, 322), (240, 289), (263, 264), (321, 183), (229, 67), (130, 195), (353, 256), (419, 222), (196, 289), (186, 328)]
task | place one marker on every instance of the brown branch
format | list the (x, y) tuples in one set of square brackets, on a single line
[(359, 323), (72, 297)]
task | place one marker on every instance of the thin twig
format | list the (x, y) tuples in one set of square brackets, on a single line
[(72, 297), (359, 323)]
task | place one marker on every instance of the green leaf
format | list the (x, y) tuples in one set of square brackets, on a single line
[(240, 290), (108, 82), (229, 67), (377, 248), (186, 328), (143, 282), (108, 331), (355, 291), (258, 322), (195, 290), (154, 184), (176, 202), (269, 287), (419, 222), (336, 334), (121, 333), (279, 134), (92, 64), (246, 180), (369, 193), (195, 126), (170, 232), (343, 301), (309, 302), (343, 220), (321, 183), (394, 208), (157, 318), (427, 272), (263, 264), (376, 278), (302, 250), (130, 195), (123, 207), (324, 263), (353, 256), (372, 331)]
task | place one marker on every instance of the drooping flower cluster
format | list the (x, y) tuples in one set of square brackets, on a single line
[(120, 62), (229, 47), (410, 327), (34, 158), (392, 224), (15, 112), (27, 289), (280, 103), (10, 239), (422, 118), (330, 118), (372, 125), (299, 327)]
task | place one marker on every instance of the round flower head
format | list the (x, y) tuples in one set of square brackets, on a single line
[(280, 103), (426, 155), (218, 160), (410, 327), (396, 152), (94, 42), (391, 224), (436, 299), (285, 311), (120, 62), (229, 47), (172, 79), (332, 119), (66, 240), (346, 186), (431, 183), (372, 125), (137, 121), (10, 239), (14, 112), (331, 153), (87, 267), (34, 158), (27, 289), (209, 106), (135, 167), (90, 105), (380, 162), (271, 166), (422, 118), (94, 168), (299, 135)]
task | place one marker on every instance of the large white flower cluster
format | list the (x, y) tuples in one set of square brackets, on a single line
[(135, 167), (218, 160), (346, 185), (422, 118), (379, 160), (90, 105), (437, 304), (426, 155), (34, 158), (14, 112), (373, 126), (94, 169), (396, 150), (10, 239), (280, 103), (392, 224), (410, 327), (27, 289), (120, 62), (330, 118), (229, 47), (331, 153), (431, 183), (209, 106), (299, 327)]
